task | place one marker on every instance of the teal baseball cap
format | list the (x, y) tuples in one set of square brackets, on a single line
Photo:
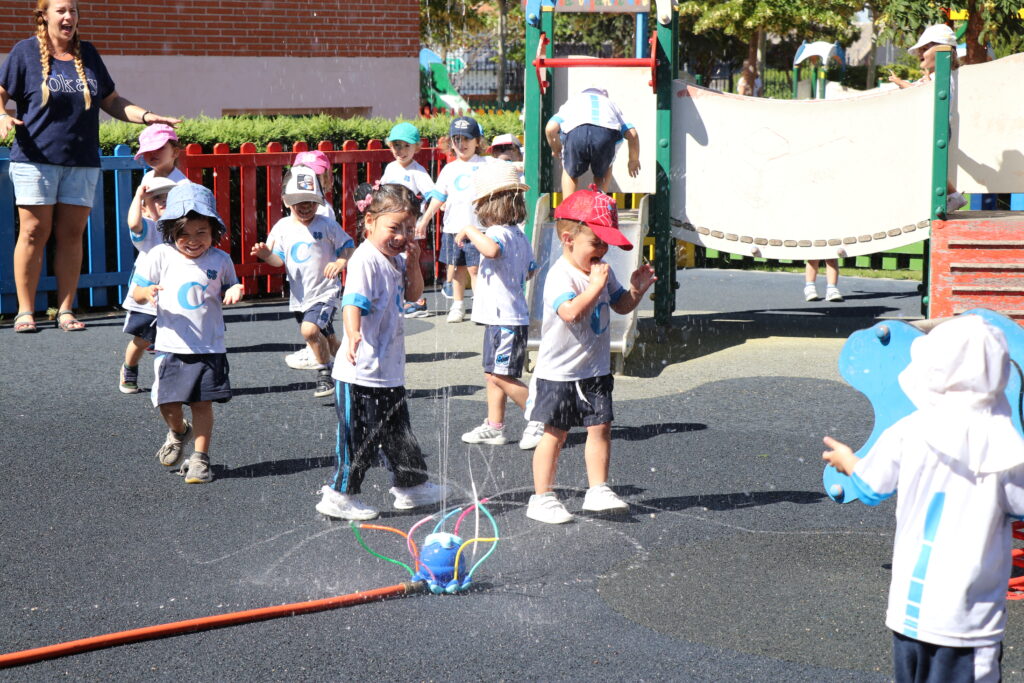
[(406, 132)]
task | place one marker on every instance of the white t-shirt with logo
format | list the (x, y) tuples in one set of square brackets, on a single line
[(306, 250), (498, 298), (454, 186), (376, 286), (951, 553), (413, 176), (175, 175), (593, 107), (189, 316), (149, 237), (580, 350)]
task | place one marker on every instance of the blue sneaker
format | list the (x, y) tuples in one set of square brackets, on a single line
[(446, 289), (414, 309)]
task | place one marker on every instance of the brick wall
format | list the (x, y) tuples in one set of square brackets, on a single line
[(236, 28)]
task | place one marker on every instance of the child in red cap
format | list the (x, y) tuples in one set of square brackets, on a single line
[(572, 384)]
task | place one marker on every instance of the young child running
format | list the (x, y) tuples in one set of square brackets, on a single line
[(370, 394), (454, 189), (140, 320), (572, 384), (191, 365), (404, 141), (314, 250), (958, 464), (584, 134), (159, 149), (506, 261)]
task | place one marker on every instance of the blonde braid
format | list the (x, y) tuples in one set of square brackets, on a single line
[(76, 46), (44, 57)]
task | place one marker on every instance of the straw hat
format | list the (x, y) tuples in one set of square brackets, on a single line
[(497, 176)]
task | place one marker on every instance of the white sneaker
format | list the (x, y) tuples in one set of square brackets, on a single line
[(833, 294), (546, 507), (342, 506), (810, 292), (303, 360), (421, 495), (485, 433), (954, 201), (601, 498), (531, 435), (456, 314)]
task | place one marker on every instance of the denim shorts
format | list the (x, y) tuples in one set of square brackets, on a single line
[(454, 255), (48, 184)]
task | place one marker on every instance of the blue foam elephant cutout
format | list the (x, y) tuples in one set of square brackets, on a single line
[(871, 361)]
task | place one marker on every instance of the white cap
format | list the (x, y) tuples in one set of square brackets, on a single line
[(939, 34), (158, 186), (302, 186)]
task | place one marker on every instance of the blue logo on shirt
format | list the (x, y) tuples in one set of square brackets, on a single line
[(318, 235), (600, 318), (185, 296), (297, 253), (461, 182), (211, 274)]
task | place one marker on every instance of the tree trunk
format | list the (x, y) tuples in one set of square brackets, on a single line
[(872, 66), (976, 52), (749, 73), (502, 30)]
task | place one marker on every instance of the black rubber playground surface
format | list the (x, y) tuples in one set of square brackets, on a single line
[(733, 565)]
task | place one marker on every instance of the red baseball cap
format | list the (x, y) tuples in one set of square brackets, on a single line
[(597, 210)]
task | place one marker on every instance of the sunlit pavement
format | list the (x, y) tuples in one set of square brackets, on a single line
[(732, 564)]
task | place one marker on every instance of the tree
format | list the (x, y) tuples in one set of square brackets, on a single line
[(989, 21), (447, 23), (745, 19)]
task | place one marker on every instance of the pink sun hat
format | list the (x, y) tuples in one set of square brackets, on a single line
[(154, 137), (314, 160)]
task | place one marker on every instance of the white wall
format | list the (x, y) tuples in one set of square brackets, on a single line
[(189, 86)]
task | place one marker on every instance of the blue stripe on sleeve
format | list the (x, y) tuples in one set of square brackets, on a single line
[(867, 495), (357, 300), (141, 281), (557, 119), (501, 247), (281, 254), (617, 295), (568, 296), (625, 127), (436, 194)]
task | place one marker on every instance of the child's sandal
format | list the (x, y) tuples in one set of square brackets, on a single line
[(67, 321), (28, 326)]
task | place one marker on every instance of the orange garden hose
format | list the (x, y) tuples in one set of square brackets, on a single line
[(206, 623)]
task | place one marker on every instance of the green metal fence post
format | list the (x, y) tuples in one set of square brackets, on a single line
[(796, 82), (664, 243)]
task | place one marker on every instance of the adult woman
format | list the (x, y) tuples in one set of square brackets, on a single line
[(56, 80)]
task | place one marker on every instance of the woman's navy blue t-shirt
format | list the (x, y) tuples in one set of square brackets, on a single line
[(63, 132)]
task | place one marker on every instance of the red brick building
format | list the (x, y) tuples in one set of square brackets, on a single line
[(187, 57)]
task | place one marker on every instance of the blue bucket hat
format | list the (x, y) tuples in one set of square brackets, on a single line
[(187, 196), (405, 132), (467, 127)]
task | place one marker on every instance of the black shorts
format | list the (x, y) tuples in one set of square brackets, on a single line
[(142, 325), (564, 405), (191, 378), (589, 146), (454, 255), (505, 349), (914, 660), (321, 315)]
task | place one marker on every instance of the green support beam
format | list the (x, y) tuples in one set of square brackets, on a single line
[(940, 154), (661, 228)]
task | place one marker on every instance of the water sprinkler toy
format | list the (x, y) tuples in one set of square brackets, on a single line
[(441, 563)]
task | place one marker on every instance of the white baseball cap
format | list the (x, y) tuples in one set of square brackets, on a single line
[(938, 33), (302, 186)]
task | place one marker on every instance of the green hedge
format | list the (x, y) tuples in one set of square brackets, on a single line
[(261, 130)]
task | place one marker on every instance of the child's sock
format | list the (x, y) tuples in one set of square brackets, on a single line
[(496, 425)]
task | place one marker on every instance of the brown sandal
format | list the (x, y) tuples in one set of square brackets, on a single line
[(70, 323)]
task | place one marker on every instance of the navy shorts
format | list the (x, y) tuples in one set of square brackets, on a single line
[(453, 254), (141, 325), (191, 378), (505, 349), (589, 146), (919, 662), (564, 405), (321, 315)]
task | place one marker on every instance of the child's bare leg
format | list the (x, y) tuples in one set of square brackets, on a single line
[(832, 272), (498, 388), (811, 271), (568, 184), (133, 352), (545, 459), (458, 280), (333, 343), (449, 273), (174, 416), (604, 181), (598, 453), (472, 270), (202, 424), (317, 342)]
